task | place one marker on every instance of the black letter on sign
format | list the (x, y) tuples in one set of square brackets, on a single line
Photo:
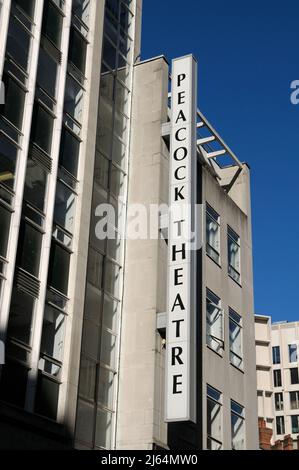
[(178, 194), (181, 116), (175, 390), (184, 154), (181, 78), (178, 303), (177, 137), (176, 173), (177, 276), (178, 327), (175, 252), (175, 355), (181, 96)]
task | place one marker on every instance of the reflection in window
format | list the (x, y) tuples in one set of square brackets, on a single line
[(295, 424), (81, 9), (278, 398), (105, 387), (238, 426), (235, 339), (64, 211), (35, 184), (18, 43), (27, 6), (213, 234), (294, 376), (53, 333), (276, 355), (214, 314), (233, 244), (103, 429), (214, 419), (108, 348), (20, 316), (8, 160), (77, 50), (95, 268), (280, 426), (112, 278), (52, 23), (293, 356), (73, 101), (277, 378), (294, 400), (47, 72)]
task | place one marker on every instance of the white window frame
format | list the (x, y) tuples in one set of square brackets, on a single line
[(218, 444), (213, 340), (213, 252), (233, 272), (239, 324)]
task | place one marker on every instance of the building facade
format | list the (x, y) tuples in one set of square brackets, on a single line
[(86, 123), (277, 376)]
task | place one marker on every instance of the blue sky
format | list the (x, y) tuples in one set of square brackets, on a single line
[(248, 56)]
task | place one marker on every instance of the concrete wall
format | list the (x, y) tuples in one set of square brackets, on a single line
[(140, 412)]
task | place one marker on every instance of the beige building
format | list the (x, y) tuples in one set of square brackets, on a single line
[(277, 375)]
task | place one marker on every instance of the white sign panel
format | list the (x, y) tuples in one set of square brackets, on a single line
[(180, 354)]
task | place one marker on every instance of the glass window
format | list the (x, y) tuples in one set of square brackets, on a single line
[(21, 316), (47, 72), (119, 152), (69, 152), (73, 100), (117, 181), (121, 126), (77, 50), (213, 234), (293, 356), (52, 23), (91, 339), (234, 268), (125, 18), (294, 400), (93, 303), (64, 211), (238, 426), (112, 278), (277, 378), (87, 382), (103, 429), (105, 387), (85, 422), (295, 424), (53, 333), (108, 348), (18, 43), (214, 419), (276, 355), (235, 338), (104, 132), (14, 101), (46, 400), (35, 184), (122, 98), (42, 128), (278, 397), (294, 376), (95, 268), (59, 268), (214, 316), (81, 9), (109, 56), (12, 374), (8, 160), (29, 249), (101, 171), (27, 6), (110, 313), (5, 216), (280, 427)]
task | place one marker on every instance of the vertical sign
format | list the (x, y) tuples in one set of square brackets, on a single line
[(181, 342)]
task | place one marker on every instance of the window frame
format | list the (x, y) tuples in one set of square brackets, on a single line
[(231, 314), (236, 239), (220, 341), (219, 402), (210, 212)]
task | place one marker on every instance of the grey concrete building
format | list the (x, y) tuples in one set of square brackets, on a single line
[(277, 376), (86, 123)]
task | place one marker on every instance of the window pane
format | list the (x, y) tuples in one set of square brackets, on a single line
[(280, 427), (294, 376), (11, 375), (47, 72), (69, 152), (46, 400), (214, 421), (52, 23), (122, 98), (18, 43), (53, 333), (238, 427), (91, 339), (4, 232), (276, 355), (95, 268), (233, 255), (101, 172), (110, 313), (59, 268), (109, 54), (293, 357), (81, 9), (14, 102), (295, 424), (93, 303), (105, 387), (85, 422), (64, 211), (108, 349), (27, 6), (294, 400), (8, 159), (20, 316), (277, 378), (278, 401), (29, 249), (87, 378), (35, 184), (117, 181), (214, 326), (112, 279), (73, 100), (103, 429), (42, 128), (77, 50)]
